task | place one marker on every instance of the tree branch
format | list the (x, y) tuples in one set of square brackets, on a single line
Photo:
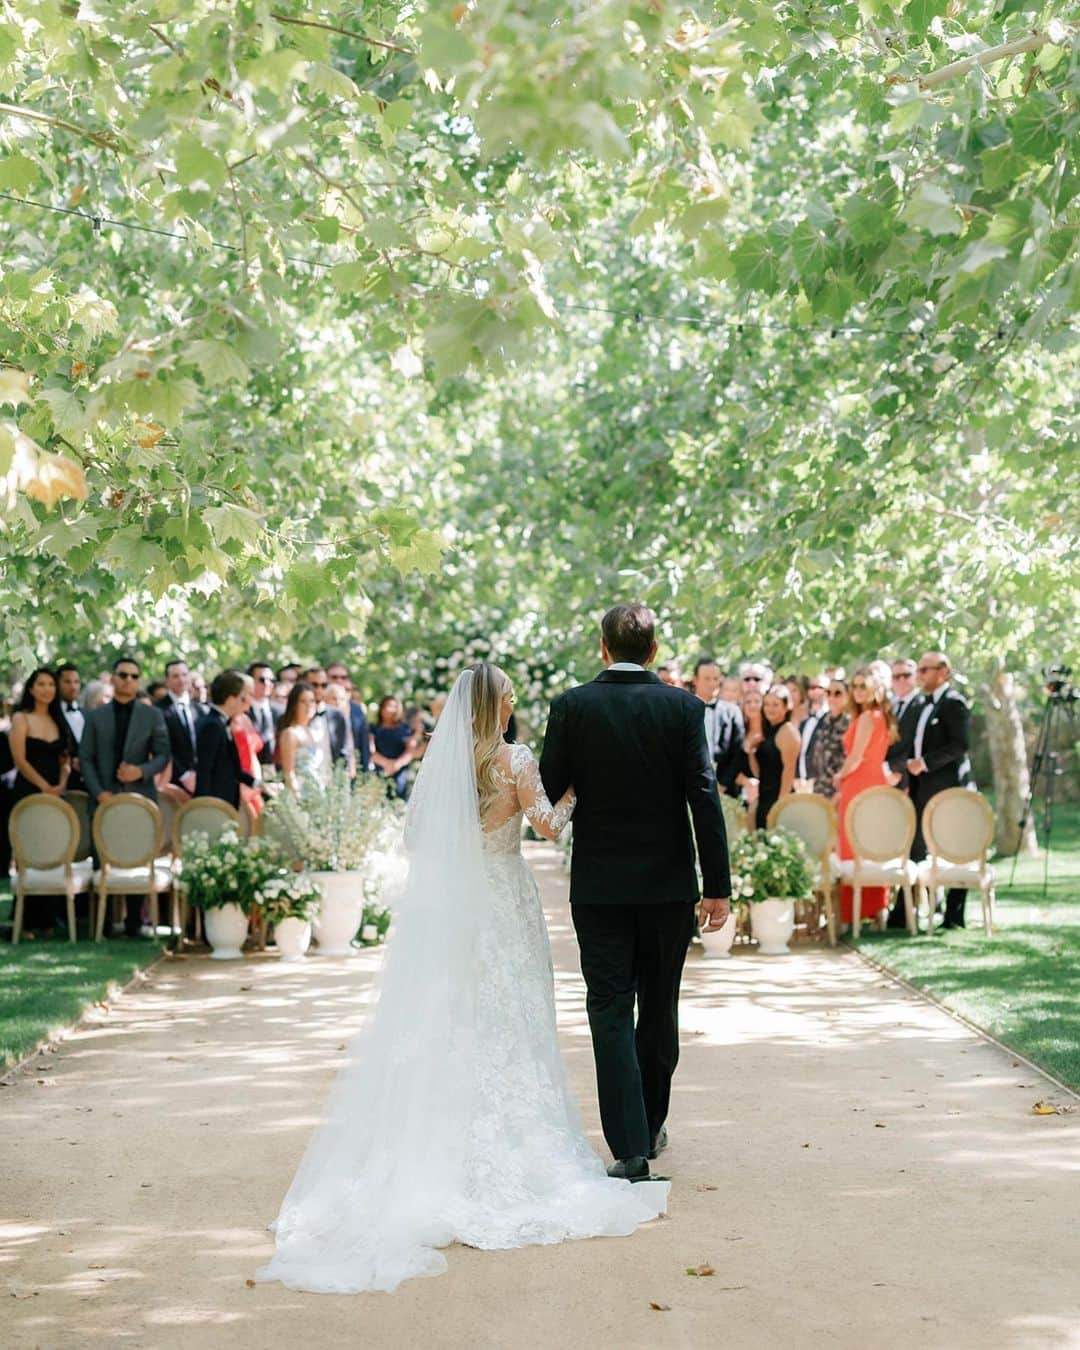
[(1017, 47), (345, 32), (104, 142)]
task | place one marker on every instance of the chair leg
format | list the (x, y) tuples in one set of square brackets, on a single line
[(909, 910), (17, 919), (830, 914), (856, 912), (102, 906), (988, 898), (71, 913), (928, 892)]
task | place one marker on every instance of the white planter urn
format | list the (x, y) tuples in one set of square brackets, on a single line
[(718, 943), (293, 938), (772, 923), (340, 911), (226, 929)]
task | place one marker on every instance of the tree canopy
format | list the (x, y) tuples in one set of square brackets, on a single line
[(406, 324)]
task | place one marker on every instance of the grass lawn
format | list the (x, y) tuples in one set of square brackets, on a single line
[(44, 986), (1022, 984)]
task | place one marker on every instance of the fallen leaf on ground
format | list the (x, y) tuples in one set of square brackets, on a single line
[(1044, 1109), (708, 1188), (250, 1284), (244, 988), (700, 1270), (96, 1265), (660, 1307), (879, 1126)]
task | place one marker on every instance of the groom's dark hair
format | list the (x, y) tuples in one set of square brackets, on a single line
[(629, 632)]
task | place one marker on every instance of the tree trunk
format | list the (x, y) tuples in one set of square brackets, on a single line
[(1008, 758)]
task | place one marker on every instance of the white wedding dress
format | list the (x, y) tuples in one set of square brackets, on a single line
[(452, 1121)]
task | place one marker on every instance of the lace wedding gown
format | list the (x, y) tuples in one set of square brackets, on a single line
[(454, 1121)]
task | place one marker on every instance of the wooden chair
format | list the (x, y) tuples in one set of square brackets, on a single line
[(80, 803), (128, 837), (814, 821), (200, 815), (44, 832), (958, 826), (880, 825)]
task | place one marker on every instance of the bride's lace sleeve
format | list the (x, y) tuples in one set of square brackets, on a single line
[(548, 820)]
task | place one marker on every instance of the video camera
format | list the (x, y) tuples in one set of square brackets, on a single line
[(1058, 684)]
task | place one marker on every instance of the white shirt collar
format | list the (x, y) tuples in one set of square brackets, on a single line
[(625, 665)]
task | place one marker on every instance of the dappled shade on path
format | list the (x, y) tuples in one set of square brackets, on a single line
[(856, 1167)]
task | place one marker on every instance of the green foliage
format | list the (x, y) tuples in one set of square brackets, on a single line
[(224, 869), (770, 865)]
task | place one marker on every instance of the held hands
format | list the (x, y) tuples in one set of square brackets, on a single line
[(129, 773), (916, 767), (713, 914)]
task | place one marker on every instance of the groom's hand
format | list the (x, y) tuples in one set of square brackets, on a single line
[(713, 914)]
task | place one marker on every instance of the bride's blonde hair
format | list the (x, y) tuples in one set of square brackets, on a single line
[(489, 686)]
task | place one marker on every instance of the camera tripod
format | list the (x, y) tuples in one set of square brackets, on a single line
[(1045, 767)]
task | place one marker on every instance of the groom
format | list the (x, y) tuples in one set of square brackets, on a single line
[(635, 751)]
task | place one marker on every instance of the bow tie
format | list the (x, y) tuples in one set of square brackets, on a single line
[(321, 712), (73, 707)]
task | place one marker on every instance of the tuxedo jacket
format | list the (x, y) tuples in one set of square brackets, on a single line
[(730, 732), (217, 771), (181, 747), (338, 734), (944, 748), (146, 745), (635, 752), (267, 732), (903, 748)]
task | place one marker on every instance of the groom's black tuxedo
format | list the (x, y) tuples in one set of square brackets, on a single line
[(635, 751)]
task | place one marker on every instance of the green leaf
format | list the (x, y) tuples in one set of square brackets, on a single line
[(1001, 165), (810, 249), (423, 553), (306, 583), (14, 386), (275, 71), (920, 14), (198, 167), (217, 362), (1035, 126), (755, 264), (933, 210), (868, 221), (234, 522), (443, 46), (18, 173), (67, 412), (326, 79)]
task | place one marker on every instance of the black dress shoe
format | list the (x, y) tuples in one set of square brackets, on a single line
[(659, 1143), (630, 1169)]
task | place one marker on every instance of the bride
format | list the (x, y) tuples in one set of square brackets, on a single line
[(452, 1120)]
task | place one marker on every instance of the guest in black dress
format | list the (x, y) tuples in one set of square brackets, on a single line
[(775, 758), (42, 748), (393, 745)]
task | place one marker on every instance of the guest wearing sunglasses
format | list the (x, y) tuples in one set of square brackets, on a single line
[(124, 743), (328, 726), (866, 743), (826, 754)]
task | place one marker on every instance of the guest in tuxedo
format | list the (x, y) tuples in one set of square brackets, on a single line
[(825, 755), (724, 728), (816, 705), (906, 702), (356, 717), (70, 684), (328, 726), (394, 743), (219, 772), (124, 743), (182, 713), (262, 714), (939, 756)]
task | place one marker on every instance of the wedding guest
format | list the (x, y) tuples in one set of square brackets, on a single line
[(773, 759), (906, 703), (753, 677), (337, 698), (182, 714), (263, 716), (871, 731), (939, 756), (724, 727), (219, 770), (393, 744), (355, 716), (882, 673), (157, 689), (94, 695), (329, 726), (200, 691), (826, 753), (70, 686), (753, 722), (731, 690), (668, 673), (798, 687), (289, 673), (249, 746), (816, 708), (302, 758), (281, 696), (40, 739), (124, 743)]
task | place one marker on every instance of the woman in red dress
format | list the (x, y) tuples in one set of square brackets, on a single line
[(866, 743), (248, 745)]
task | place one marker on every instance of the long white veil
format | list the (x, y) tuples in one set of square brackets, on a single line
[(367, 1207)]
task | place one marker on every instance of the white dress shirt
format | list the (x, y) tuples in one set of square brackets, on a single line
[(73, 714), (806, 732), (625, 665)]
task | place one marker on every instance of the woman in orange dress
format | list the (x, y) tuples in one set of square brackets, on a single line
[(869, 736)]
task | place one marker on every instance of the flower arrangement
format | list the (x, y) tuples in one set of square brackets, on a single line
[(374, 924), (224, 869), (291, 895), (770, 864), (334, 828)]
